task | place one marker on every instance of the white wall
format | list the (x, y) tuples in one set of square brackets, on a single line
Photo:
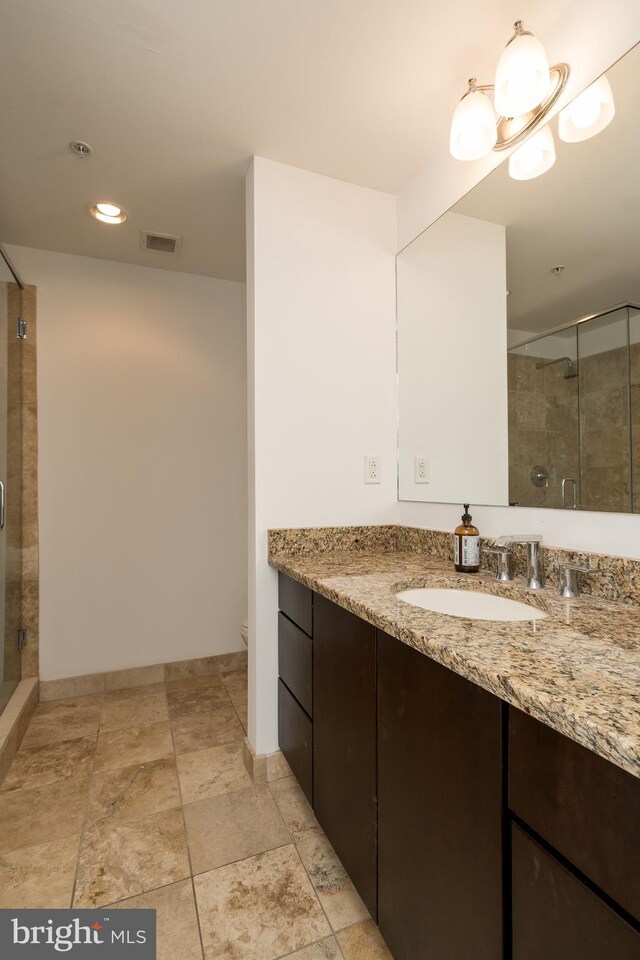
[(321, 346), (591, 36), (452, 362), (142, 460)]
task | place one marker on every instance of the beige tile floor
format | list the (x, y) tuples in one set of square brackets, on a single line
[(140, 798)]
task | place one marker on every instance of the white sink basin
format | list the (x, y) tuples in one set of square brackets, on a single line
[(469, 603)]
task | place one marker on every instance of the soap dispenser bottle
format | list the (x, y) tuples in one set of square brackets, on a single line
[(467, 545)]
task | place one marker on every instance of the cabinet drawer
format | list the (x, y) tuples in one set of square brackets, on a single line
[(296, 601), (295, 734), (583, 805), (295, 661), (556, 917)]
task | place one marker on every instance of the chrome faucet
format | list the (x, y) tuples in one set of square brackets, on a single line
[(534, 577)]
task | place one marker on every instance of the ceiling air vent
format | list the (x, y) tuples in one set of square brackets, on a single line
[(160, 243)]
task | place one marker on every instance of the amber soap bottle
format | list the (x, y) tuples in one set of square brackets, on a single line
[(467, 545)]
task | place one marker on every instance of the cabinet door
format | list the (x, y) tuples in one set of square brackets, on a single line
[(556, 917), (440, 882), (295, 734), (344, 744), (585, 807)]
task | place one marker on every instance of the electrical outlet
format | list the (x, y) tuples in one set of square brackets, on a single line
[(420, 470), (372, 469)]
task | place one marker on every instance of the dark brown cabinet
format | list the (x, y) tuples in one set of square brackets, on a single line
[(344, 749), (295, 731), (469, 829), (295, 686), (557, 917), (439, 810), (579, 803)]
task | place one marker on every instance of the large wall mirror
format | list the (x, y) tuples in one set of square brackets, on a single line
[(519, 331)]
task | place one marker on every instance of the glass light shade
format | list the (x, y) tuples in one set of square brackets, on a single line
[(522, 76), (588, 114), (473, 127), (534, 157), (109, 209)]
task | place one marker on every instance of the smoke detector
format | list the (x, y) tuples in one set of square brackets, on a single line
[(81, 149), (160, 243)]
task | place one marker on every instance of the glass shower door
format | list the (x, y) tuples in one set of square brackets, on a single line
[(605, 436), (11, 410)]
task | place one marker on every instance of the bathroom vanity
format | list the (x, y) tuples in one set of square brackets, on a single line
[(480, 781)]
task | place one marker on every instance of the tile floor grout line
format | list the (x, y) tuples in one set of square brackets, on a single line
[(188, 846), (313, 886), (86, 812)]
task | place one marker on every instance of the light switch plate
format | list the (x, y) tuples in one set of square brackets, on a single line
[(372, 469)]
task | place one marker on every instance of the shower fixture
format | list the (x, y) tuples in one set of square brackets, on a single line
[(570, 372)]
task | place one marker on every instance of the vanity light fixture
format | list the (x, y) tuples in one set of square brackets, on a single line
[(588, 114), (534, 157), (525, 90), (108, 212)]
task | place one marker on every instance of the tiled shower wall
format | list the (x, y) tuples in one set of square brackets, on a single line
[(576, 428), (30, 538), (23, 408), (543, 430)]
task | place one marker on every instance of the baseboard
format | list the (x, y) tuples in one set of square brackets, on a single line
[(265, 767), (96, 683), (14, 721)]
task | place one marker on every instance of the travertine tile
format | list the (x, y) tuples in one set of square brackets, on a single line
[(123, 748), (256, 766), (277, 766), (363, 942), (294, 808), (183, 669), (258, 909), (136, 706), (207, 773), (237, 686), (177, 936), (134, 677), (41, 814), (325, 950), (90, 683), (41, 764), (64, 720), (123, 858), (39, 876), (232, 826), (200, 730), (126, 793), (337, 894), (243, 717), (230, 662), (197, 695)]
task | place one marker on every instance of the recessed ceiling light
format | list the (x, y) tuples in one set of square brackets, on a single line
[(108, 212)]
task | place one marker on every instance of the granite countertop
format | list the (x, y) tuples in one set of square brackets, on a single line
[(577, 669)]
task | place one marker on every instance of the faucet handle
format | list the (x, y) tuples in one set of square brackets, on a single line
[(568, 586), (504, 555)]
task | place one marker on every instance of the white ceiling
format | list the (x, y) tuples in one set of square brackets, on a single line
[(175, 96), (583, 214)]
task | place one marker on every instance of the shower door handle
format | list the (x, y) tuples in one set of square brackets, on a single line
[(565, 481), (2, 505)]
